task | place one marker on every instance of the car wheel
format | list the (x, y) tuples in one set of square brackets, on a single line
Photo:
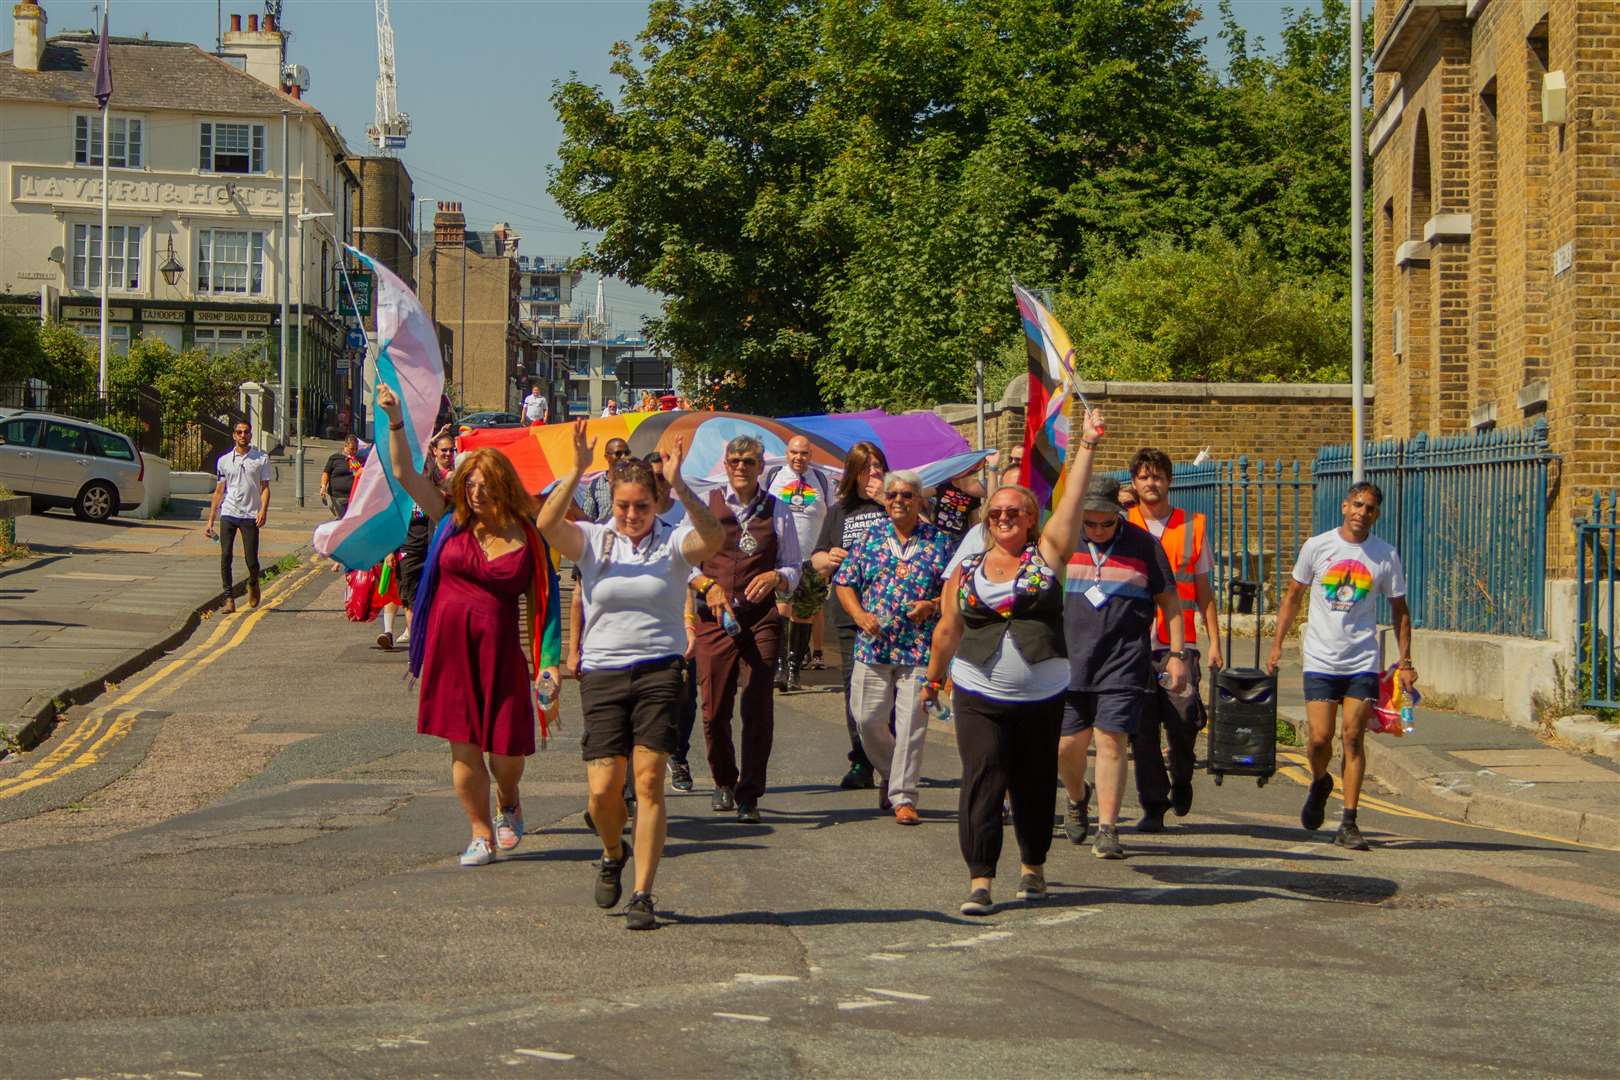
[(96, 502)]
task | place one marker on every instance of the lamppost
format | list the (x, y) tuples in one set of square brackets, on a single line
[(298, 454)]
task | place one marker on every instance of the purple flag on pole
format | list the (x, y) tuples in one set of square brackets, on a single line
[(103, 68)]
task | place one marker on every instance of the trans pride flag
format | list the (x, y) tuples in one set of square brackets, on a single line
[(408, 361), (1051, 374)]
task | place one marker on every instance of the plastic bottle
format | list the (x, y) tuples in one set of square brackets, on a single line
[(545, 692), (942, 712), (1407, 722), (729, 623)]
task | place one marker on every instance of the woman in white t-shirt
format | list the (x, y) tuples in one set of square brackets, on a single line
[(632, 576), (1000, 639)]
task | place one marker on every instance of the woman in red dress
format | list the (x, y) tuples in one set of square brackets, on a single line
[(477, 689)]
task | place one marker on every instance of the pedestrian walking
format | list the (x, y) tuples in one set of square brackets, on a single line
[(1181, 717), (856, 508), (804, 488), (597, 497), (337, 478), (738, 630), (1115, 583), (956, 504), (889, 585), (633, 574), (536, 407), (241, 502), (1345, 569), (478, 691), (1001, 643)]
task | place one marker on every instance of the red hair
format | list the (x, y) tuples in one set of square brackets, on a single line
[(511, 505)]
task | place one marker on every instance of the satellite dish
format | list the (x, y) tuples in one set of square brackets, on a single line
[(295, 75)]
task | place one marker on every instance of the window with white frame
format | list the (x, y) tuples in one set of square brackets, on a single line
[(117, 336), (230, 261), (126, 139), (123, 257), (231, 148), (216, 340)]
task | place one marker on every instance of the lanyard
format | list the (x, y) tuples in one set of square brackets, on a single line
[(1097, 560), (903, 554)]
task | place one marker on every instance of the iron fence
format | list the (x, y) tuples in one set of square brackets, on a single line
[(1596, 576), (1468, 515)]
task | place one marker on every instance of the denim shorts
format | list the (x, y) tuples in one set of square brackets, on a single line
[(1363, 687)]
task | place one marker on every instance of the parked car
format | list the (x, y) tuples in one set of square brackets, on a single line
[(488, 420), (63, 461)]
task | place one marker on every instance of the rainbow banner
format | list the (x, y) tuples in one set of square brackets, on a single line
[(408, 361), (919, 440), (1051, 374)]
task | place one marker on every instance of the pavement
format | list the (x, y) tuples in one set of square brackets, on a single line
[(98, 602), (256, 876)]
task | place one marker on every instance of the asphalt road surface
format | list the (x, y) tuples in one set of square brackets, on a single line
[(242, 862)]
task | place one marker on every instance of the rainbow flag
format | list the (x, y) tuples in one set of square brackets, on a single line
[(1046, 426), (409, 362)]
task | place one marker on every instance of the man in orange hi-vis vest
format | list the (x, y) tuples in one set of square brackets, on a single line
[(1181, 716)]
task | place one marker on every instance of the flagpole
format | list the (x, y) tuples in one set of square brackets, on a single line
[(1358, 431), (106, 244)]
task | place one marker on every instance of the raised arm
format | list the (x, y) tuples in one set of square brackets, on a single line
[(417, 486), (552, 521), (707, 534), (1061, 532)]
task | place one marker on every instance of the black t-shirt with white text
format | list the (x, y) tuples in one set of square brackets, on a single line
[(844, 527)]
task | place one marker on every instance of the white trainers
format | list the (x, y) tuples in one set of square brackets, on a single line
[(478, 853), (508, 827)]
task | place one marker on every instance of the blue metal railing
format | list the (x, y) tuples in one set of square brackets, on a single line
[(1596, 565), (1468, 515)]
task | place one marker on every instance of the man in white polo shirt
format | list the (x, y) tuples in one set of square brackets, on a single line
[(241, 501)]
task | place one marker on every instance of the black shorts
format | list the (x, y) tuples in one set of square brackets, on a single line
[(631, 706), (1117, 711), (1319, 687)]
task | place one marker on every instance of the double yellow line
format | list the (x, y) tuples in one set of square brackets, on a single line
[(106, 724)]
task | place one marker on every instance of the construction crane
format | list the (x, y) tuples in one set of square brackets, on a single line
[(392, 127)]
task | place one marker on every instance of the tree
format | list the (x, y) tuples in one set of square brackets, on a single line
[(20, 355), (68, 365), (142, 364)]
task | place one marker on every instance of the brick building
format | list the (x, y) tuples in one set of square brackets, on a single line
[(382, 228), (470, 287), (1495, 148)]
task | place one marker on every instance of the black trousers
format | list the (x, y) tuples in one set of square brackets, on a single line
[(723, 662), (1006, 747), (1181, 721), (846, 652), (228, 528), (686, 709)]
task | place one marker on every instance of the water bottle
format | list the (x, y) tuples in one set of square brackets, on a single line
[(729, 623), (545, 692), (1407, 723), (942, 712)]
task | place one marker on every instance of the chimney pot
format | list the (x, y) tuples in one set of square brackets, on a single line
[(296, 92), (253, 24), (28, 35), (269, 22), (236, 24)]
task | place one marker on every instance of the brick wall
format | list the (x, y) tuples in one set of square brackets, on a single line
[(1270, 421)]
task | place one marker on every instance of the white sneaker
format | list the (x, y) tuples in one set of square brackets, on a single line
[(404, 637), (478, 853)]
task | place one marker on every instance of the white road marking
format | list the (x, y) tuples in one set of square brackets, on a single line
[(972, 942), (548, 1055), (863, 1003), (752, 1018), (748, 977), (1068, 916), (903, 995), (887, 956)]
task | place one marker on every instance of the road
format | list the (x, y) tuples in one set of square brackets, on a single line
[(241, 862)]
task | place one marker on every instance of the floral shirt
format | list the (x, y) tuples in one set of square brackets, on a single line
[(888, 584)]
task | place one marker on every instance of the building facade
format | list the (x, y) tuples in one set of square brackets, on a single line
[(470, 283), (553, 317), (382, 227), (195, 186), (1495, 148)]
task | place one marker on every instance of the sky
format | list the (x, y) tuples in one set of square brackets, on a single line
[(475, 77)]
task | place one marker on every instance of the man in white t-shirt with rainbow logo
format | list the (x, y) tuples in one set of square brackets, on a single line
[(1344, 569)]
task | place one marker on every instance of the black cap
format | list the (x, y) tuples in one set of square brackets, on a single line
[(1102, 495)]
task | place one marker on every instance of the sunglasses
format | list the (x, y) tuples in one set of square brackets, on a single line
[(903, 496), (1102, 526), (996, 513), (742, 462), (618, 453), (243, 431)]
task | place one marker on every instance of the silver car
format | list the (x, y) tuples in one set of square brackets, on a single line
[(62, 461)]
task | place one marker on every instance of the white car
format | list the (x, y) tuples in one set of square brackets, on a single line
[(63, 461)]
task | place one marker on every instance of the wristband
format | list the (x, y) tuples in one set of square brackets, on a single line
[(935, 685), (397, 427), (1088, 444)]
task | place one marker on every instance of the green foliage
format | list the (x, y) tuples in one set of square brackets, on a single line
[(833, 194), (1215, 310), (20, 355), (69, 363), (146, 360), (195, 381)]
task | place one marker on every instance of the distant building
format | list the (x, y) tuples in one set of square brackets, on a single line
[(383, 229), (1495, 146), (470, 289), (548, 310), (195, 192)]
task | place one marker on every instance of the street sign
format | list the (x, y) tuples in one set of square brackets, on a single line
[(362, 281), (357, 336), (393, 142)]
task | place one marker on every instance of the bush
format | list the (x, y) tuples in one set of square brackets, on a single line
[(125, 424), (69, 363)]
